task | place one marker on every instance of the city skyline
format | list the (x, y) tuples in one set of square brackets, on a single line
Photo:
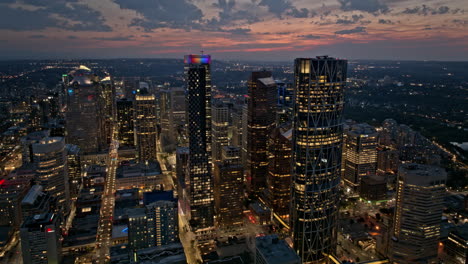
[(270, 30)]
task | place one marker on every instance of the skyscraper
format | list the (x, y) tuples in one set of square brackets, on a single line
[(316, 153), (278, 192), (145, 126), (419, 207), (361, 154), (85, 117), (198, 81), (229, 188), (261, 103), (220, 125), (125, 122), (50, 158), (40, 239), (162, 223)]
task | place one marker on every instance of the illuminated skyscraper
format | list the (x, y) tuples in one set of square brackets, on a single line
[(198, 81), (85, 114), (40, 239), (419, 207), (125, 122), (220, 125), (229, 188), (361, 154), (317, 143), (278, 194), (145, 126), (50, 158), (261, 103)]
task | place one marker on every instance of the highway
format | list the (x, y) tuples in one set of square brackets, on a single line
[(104, 233)]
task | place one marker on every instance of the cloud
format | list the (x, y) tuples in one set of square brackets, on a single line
[(298, 13), (386, 21), (285, 8), (351, 31), (276, 7), (37, 36), (370, 6), (309, 36), (70, 15), (238, 31), (163, 13), (425, 10), (345, 21), (118, 38)]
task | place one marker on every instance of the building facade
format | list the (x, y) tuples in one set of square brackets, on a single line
[(261, 115), (40, 239), (219, 128), (50, 159), (317, 143), (418, 212), (145, 127), (229, 188), (125, 122), (361, 154), (85, 114), (278, 194), (198, 102)]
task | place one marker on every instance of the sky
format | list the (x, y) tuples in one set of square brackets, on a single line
[(274, 30)]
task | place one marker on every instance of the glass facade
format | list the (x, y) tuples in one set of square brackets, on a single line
[(261, 115), (317, 145), (198, 98)]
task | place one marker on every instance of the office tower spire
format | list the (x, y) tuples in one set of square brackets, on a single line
[(198, 81), (317, 144)]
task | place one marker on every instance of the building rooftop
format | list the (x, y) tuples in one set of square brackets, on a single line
[(275, 251), (32, 195), (133, 169), (362, 130), (154, 196), (423, 175)]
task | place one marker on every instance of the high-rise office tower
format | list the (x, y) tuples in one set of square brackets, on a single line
[(219, 128), (198, 81), (229, 188), (419, 208), (155, 225), (74, 169), (236, 128), (137, 230), (316, 154), (278, 192), (40, 239), (162, 223), (183, 180), (261, 103), (108, 95), (85, 117), (361, 154), (125, 122), (145, 126), (50, 158)]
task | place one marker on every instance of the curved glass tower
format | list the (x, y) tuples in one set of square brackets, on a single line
[(317, 145)]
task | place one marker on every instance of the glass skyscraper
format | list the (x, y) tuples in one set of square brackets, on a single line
[(316, 153), (261, 114), (198, 81)]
